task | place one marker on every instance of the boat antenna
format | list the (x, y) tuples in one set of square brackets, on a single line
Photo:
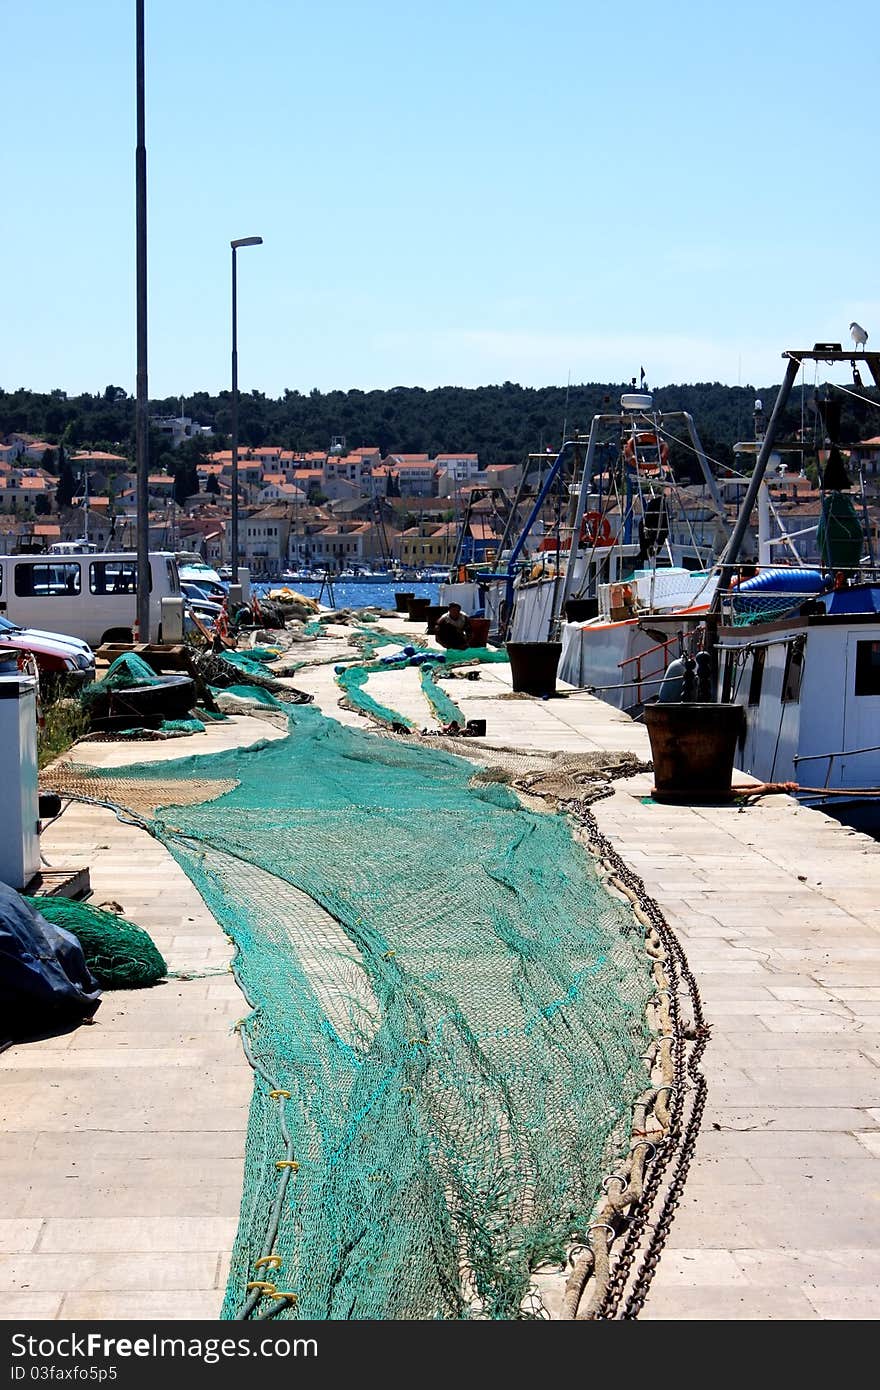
[(565, 414)]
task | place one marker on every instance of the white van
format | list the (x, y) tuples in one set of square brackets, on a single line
[(93, 597)]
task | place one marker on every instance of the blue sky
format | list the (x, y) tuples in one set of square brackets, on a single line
[(448, 192)]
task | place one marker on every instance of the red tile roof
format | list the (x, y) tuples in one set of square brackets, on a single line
[(96, 454)]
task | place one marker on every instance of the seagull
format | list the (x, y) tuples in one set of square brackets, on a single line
[(859, 335)]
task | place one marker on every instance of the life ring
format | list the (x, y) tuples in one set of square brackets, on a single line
[(596, 529), (629, 451)]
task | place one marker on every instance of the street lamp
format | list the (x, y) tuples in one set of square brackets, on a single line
[(242, 241), (142, 405)]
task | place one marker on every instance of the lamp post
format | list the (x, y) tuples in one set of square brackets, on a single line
[(142, 400), (242, 241)]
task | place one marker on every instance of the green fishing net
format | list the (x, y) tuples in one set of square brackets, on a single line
[(119, 954), (748, 609), (353, 680), (449, 1021), (446, 710), (248, 663), (839, 536), (126, 671)]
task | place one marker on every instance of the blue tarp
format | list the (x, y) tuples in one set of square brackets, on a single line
[(861, 598), (45, 983)]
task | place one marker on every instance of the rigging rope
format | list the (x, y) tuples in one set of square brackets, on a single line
[(866, 400)]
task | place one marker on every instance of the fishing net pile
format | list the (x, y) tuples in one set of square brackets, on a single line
[(126, 671), (120, 954), (448, 1020)]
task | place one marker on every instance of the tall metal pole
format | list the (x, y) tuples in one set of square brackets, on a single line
[(234, 540), (142, 405), (727, 563), (240, 241)]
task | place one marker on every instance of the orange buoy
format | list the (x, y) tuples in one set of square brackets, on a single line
[(596, 529)]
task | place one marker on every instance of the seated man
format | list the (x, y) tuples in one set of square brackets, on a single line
[(453, 629)]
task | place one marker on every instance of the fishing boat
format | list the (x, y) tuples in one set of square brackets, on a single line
[(798, 645), (627, 541)]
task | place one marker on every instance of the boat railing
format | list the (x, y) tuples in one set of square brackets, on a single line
[(650, 679), (864, 573), (838, 753)]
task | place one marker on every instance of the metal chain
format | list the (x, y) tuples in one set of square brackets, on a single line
[(678, 1145)]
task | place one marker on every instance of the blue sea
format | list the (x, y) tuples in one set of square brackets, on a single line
[(358, 595)]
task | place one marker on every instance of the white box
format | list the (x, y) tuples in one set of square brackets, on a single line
[(19, 793)]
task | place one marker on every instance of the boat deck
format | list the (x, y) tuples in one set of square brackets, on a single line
[(121, 1144)]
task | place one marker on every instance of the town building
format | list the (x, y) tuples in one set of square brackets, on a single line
[(176, 429)]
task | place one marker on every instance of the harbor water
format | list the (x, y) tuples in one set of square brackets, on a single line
[(357, 594)]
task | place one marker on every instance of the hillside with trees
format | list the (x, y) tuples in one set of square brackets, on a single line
[(500, 423)]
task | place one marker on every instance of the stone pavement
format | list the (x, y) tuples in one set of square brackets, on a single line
[(121, 1144)]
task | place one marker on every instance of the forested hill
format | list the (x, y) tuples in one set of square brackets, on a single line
[(500, 423)]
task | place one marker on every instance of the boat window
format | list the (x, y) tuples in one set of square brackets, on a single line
[(113, 577), (794, 669), (727, 683), (757, 676), (867, 668), (47, 581)]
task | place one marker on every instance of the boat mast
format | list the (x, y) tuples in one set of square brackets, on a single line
[(727, 562), (764, 548), (820, 352)]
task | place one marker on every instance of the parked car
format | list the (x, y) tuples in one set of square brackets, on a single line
[(199, 613), (59, 658), (196, 597), (92, 596)]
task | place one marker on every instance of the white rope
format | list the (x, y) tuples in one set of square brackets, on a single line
[(783, 538), (847, 392)]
